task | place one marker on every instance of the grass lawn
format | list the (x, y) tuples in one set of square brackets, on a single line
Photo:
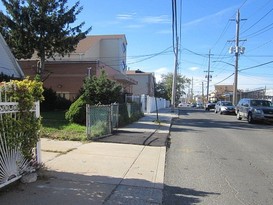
[(55, 126)]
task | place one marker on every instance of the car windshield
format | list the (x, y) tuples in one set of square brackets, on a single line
[(261, 103), (227, 103)]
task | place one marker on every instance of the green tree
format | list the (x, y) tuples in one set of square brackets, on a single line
[(101, 90), (43, 26), (164, 87)]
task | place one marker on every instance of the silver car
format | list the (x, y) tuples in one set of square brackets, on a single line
[(254, 110), (224, 107)]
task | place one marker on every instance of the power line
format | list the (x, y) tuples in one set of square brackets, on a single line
[(261, 31), (248, 68), (224, 79), (256, 66), (257, 21)]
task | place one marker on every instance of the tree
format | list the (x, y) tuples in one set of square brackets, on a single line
[(100, 90), (164, 87), (42, 26)]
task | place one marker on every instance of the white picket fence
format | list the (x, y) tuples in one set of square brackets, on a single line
[(12, 162)]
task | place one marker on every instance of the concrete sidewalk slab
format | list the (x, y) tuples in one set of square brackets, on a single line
[(147, 167), (112, 160), (100, 173)]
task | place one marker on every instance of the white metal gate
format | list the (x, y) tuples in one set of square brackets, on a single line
[(12, 162)]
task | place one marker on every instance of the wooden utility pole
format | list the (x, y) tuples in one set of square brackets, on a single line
[(208, 76), (237, 50)]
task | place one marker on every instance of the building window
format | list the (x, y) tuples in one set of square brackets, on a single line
[(65, 95)]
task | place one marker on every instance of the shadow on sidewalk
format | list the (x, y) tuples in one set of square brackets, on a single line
[(136, 138), (66, 188)]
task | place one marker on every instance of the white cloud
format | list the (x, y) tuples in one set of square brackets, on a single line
[(208, 18), (194, 68), (158, 72), (163, 19), (125, 16)]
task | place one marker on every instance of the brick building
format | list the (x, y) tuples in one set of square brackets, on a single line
[(65, 74)]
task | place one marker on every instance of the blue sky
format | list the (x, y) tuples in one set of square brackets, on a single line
[(205, 25)]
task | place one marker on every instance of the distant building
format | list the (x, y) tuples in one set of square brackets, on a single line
[(146, 82), (65, 74), (8, 63), (223, 92)]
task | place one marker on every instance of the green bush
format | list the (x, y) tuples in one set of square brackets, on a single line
[(50, 100), (77, 112), (135, 117), (123, 115), (22, 129), (62, 103)]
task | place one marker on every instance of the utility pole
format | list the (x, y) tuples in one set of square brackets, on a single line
[(208, 76), (192, 89), (237, 50), (203, 93), (175, 49), (174, 76)]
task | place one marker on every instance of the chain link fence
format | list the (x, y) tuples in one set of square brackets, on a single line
[(103, 119)]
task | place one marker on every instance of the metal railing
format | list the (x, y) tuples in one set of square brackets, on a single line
[(12, 162)]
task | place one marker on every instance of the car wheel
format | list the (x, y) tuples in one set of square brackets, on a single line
[(221, 112), (238, 116), (250, 118), (215, 111)]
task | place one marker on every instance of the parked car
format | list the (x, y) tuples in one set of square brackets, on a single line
[(199, 105), (180, 104), (209, 106), (254, 110), (193, 104), (224, 107)]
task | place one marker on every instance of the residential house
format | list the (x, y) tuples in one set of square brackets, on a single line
[(65, 74), (146, 82), (8, 63)]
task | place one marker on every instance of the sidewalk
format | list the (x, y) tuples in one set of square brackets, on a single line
[(101, 172)]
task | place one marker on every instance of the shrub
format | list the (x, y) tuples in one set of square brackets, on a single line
[(21, 129), (50, 100), (77, 112), (123, 115), (62, 103)]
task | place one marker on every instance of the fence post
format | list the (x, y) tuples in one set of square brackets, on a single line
[(88, 122), (38, 145)]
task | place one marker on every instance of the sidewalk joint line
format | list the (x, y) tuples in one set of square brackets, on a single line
[(113, 191)]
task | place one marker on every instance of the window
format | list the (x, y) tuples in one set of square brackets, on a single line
[(65, 95)]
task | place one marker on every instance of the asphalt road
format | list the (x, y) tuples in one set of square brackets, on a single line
[(216, 159)]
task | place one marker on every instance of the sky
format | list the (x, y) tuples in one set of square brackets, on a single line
[(203, 26)]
